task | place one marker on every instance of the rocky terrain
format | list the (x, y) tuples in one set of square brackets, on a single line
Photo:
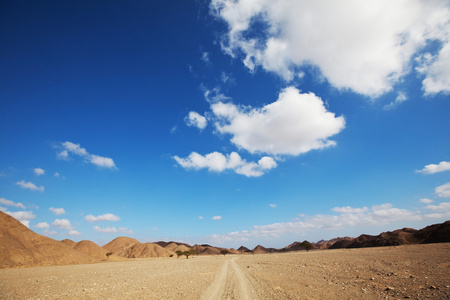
[(398, 272)]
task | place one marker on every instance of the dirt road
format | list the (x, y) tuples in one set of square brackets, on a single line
[(404, 272)]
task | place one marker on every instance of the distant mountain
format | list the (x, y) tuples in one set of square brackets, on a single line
[(21, 247), (132, 248), (325, 244), (438, 233), (260, 250), (165, 244), (243, 249)]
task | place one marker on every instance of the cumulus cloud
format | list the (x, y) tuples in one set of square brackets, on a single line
[(426, 200), (346, 217), (440, 211), (217, 162), (401, 97), (433, 168), (365, 46), (49, 232), (196, 120), (57, 211), (11, 203), (294, 124), (39, 171), (30, 186), (63, 224), (443, 191), (436, 69), (348, 209), (76, 149), (104, 217), (216, 218), (73, 232), (42, 225), (112, 229), (22, 216), (273, 205)]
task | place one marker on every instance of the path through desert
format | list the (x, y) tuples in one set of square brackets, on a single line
[(408, 272)]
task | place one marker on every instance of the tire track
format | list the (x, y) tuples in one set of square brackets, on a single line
[(217, 287), (246, 290), (229, 277)]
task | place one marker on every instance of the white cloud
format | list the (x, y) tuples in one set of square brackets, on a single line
[(57, 174), (11, 203), (433, 168), (401, 97), (39, 171), (273, 205), (42, 225), (63, 224), (426, 200), (22, 216), (365, 46), (294, 124), (216, 218), (30, 186), (196, 120), (205, 58), (200, 217), (104, 217), (113, 229), (73, 232), (443, 191), (217, 162), (442, 211), (63, 155), (57, 211), (444, 206), (76, 149), (436, 70), (346, 217), (348, 209), (104, 162), (49, 232)]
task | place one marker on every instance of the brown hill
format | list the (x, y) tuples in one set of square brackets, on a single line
[(21, 247), (145, 250), (437, 233), (120, 244), (260, 250), (233, 251), (176, 247), (325, 244), (69, 243), (243, 249), (91, 249)]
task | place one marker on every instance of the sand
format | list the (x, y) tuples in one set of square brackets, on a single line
[(402, 272)]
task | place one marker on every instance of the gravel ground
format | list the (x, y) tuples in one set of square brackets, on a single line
[(403, 272)]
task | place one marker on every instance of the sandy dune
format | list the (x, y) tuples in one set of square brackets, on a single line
[(409, 272)]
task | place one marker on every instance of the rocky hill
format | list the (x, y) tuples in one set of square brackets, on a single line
[(438, 233), (21, 247)]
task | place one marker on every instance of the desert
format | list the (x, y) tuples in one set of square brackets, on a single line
[(397, 272)]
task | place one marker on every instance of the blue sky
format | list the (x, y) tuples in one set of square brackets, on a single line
[(222, 122)]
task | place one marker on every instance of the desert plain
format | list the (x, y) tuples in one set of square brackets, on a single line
[(397, 272)]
